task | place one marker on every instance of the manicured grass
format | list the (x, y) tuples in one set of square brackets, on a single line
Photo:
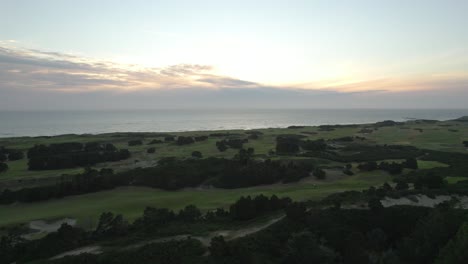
[(18, 169), (130, 201), (434, 136), (452, 180), (429, 164)]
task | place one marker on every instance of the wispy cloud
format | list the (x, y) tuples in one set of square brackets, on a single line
[(23, 68), (43, 79)]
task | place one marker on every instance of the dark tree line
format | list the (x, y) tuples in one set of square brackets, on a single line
[(171, 174), (181, 140), (235, 143), (70, 155), (111, 226), (3, 167), (135, 142), (247, 208), (7, 154), (393, 168)]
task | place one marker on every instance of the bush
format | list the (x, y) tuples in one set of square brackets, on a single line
[(135, 142), (287, 144), (155, 141), (221, 146), (184, 140), (314, 145), (70, 155), (16, 155), (197, 154), (151, 150), (169, 138), (200, 138), (3, 167), (320, 174)]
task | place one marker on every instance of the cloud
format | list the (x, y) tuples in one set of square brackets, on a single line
[(226, 82), (23, 68), (35, 79)]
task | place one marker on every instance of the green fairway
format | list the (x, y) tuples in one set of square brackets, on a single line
[(130, 201), (446, 136)]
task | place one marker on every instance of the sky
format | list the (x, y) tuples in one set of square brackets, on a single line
[(88, 54)]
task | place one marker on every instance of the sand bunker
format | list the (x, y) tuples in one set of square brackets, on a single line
[(39, 227), (424, 200)]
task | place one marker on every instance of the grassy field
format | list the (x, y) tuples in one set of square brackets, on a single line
[(445, 136), (130, 201)]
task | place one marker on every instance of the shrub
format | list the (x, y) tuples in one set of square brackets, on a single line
[(151, 150), (169, 138), (3, 167), (184, 140), (155, 141), (320, 174), (197, 154), (15, 155), (200, 138), (221, 146), (135, 142)]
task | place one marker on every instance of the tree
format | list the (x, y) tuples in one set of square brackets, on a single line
[(377, 239), (287, 145), (3, 167), (411, 163), (243, 209), (135, 142), (219, 247), (169, 138), (197, 154), (15, 155), (3, 157), (314, 145), (181, 140), (368, 166), (110, 225), (296, 211), (401, 185), (151, 150), (190, 214), (245, 155), (354, 251), (221, 145), (304, 248), (456, 249), (155, 141), (320, 174), (429, 180), (375, 204)]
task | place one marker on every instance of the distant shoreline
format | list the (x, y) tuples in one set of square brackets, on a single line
[(15, 124)]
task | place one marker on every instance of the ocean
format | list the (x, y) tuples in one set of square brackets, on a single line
[(48, 123)]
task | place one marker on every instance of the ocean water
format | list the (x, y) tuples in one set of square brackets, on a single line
[(47, 123)]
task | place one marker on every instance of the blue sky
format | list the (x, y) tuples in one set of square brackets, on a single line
[(387, 47)]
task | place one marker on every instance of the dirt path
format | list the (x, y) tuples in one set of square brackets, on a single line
[(89, 249), (205, 240)]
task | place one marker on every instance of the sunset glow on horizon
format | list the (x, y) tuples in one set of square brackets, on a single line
[(332, 46)]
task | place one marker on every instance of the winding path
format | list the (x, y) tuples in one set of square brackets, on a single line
[(205, 240)]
